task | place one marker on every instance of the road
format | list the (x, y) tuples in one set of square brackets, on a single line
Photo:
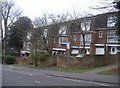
[(20, 76)]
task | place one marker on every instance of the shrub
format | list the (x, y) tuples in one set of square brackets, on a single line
[(38, 57), (43, 57), (14, 53), (10, 59)]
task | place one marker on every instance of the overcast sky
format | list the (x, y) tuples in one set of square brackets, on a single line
[(35, 8)]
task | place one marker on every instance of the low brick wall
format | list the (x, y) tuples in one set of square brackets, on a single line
[(21, 60), (50, 61), (86, 61), (103, 60), (62, 61)]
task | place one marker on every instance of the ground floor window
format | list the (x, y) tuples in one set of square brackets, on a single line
[(100, 50), (113, 50)]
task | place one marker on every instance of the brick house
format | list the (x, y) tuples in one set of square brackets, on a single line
[(100, 38), (99, 35)]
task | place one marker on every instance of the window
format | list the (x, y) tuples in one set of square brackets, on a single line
[(112, 36), (28, 45), (62, 30), (75, 37), (87, 39), (113, 49), (100, 50), (29, 35), (85, 24), (100, 34), (45, 32), (63, 40), (111, 21)]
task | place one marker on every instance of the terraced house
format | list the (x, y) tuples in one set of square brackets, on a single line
[(99, 32), (95, 35)]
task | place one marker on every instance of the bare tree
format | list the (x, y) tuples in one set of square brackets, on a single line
[(104, 6), (80, 25), (58, 18), (9, 15), (41, 21), (46, 20)]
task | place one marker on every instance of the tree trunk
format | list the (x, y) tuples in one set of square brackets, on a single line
[(83, 51)]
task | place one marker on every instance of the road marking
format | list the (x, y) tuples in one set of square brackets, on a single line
[(19, 77), (17, 71), (11, 66), (36, 81), (102, 84), (30, 74)]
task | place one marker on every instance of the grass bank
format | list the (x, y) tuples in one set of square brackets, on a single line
[(79, 70), (114, 71)]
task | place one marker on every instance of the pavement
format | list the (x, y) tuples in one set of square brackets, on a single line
[(86, 77), (99, 69), (89, 75)]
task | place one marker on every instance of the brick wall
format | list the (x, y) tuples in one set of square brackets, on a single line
[(87, 61), (62, 61)]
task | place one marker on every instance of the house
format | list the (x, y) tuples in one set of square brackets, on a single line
[(96, 35), (26, 49), (100, 36), (105, 40)]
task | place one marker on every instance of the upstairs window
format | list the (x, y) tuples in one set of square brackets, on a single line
[(63, 30), (85, 24), (111, 21), (112, 36), (87, 39), (29, 35), (45, 32)]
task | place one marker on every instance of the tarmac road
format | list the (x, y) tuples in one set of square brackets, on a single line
[(20, 76)]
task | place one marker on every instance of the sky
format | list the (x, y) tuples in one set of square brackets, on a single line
[(35, 8)]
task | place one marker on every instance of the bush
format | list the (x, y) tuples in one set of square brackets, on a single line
[(14, 53), (43, 57), (38, 57), (10, 59)]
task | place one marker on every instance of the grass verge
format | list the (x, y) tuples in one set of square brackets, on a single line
[(114, 71), (79, 70), (30, 66)]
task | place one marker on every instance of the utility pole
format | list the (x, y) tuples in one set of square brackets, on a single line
[(0, 44), (0, 31)]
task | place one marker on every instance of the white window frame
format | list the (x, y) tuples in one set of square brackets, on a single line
[(112, 36), (111, 21), (85, 24), (45, 32), (63, 30)]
